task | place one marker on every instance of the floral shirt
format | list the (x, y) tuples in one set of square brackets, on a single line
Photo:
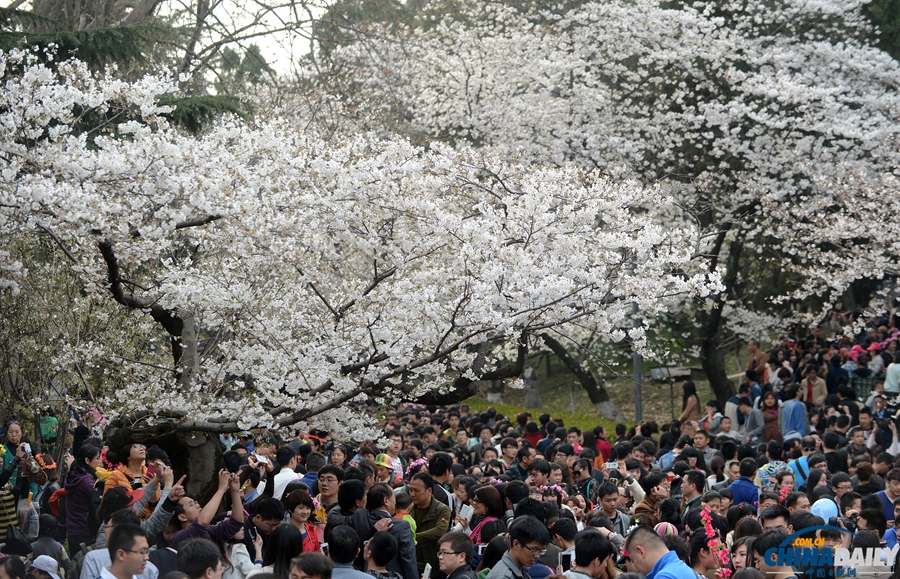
[(765, 476)]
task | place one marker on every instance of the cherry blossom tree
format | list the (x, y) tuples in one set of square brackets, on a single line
[(772, 126), (289, 279)]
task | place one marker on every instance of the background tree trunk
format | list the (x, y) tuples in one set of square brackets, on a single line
[(712, 356), (596, 392), (494, 391), (195, 454), (532, 393)]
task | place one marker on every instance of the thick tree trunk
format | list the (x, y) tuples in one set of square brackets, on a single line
[(195, 454), (532, 393), (596, 392), (495, 389), (712, 356), (189, 364)]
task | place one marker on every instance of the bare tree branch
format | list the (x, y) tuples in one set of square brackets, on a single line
[(58, 241), (198, 221)]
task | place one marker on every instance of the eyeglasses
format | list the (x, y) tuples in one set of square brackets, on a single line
[(578, 472), (448, 553), (810, 449), (328, 479), (475, 501), (537, 551), (844, 487), (139, 446), (142, 552)]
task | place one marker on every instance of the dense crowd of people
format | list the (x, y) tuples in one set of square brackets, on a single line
[(807, 448)]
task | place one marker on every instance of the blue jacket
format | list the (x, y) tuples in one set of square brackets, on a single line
[(671, 567), (345, 571), (890, 537), (800, 467), (744, 491), (793, 415)]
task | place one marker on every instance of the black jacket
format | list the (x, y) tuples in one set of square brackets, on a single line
[(462, 572), (404, 562)]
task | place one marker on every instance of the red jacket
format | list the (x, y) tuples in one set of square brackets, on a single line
[(604, 448)]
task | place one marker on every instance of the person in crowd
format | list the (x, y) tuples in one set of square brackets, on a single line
[(132, 472), (200, 559), (646, 553), (690, 403), (46, 543), (129, 552), (195, 520), (432, 522), (528, 539), (455, 556), (744, 490), (269, 514), (754, 421), (299, 507), (285, 544), (769, 564), (286, 457), (330, 478), (12, 567), (45, 567), (377, 552), (98, 559), (381, 505), (311, 566), (592, 555), (770, 408), (343, 549), (81, 515), (238, 562)]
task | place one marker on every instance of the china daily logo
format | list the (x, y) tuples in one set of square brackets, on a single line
[(814, 557)]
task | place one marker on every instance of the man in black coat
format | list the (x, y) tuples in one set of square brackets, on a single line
[(380, 503), (455, 556)]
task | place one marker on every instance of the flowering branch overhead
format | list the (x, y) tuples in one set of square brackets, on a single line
[(322, 273)]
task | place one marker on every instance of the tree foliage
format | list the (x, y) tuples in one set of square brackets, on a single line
[(296, 275), (764, 121)]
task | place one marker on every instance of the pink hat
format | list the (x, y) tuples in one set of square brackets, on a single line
[(875, 347)]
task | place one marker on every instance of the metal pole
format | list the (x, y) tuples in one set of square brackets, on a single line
[(638, 390), (638, 403)]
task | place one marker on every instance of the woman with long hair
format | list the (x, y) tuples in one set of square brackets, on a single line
[(716, 469), (494, 551), (690, 403), (770, 409), (703, 558), (741, 551), (693, 457), (339, 454), (81, 517), (131, 473), (815, 479), (10, 494), (487, 505), (284, 544), (236, 561), (300, 507)]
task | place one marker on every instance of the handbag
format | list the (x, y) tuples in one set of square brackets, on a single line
[(17, 543)]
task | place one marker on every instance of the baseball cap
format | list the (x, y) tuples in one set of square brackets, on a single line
[(118, 498), (47, 564)]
